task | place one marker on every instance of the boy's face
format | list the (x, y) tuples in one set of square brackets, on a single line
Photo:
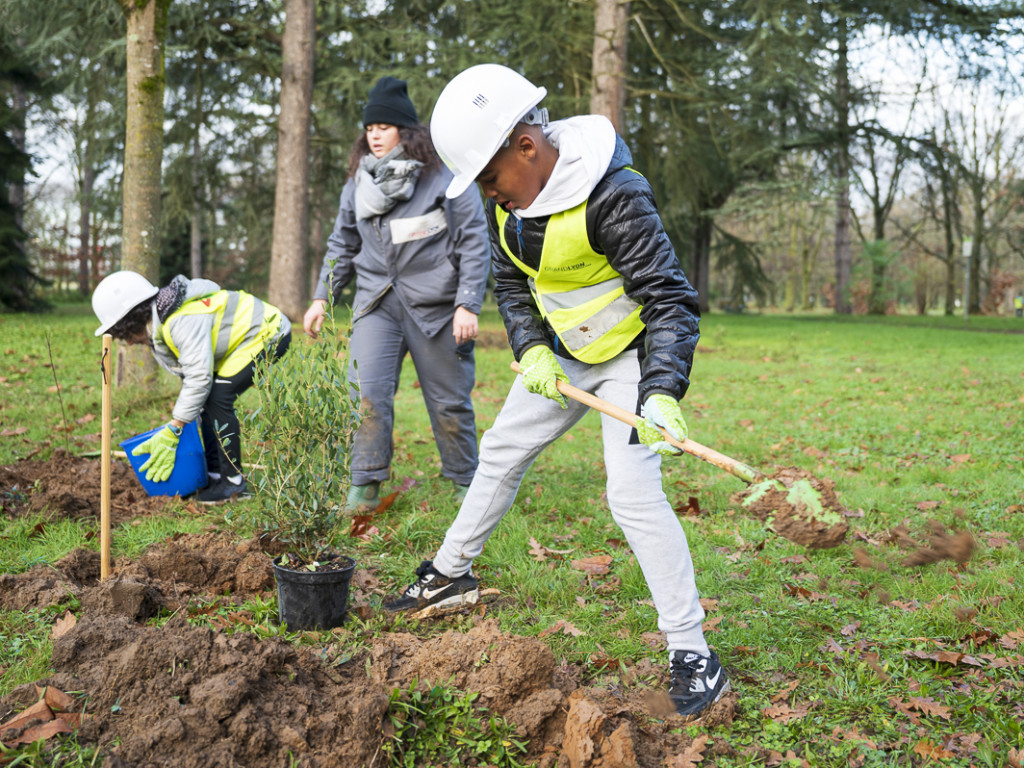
[(513, 178)]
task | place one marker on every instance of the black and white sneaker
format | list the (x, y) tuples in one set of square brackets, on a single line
[(433, 591), (696, 682), (222, 490)]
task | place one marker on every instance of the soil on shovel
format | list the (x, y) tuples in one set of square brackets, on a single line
[(797, 506), (180, 695), (69, 487)]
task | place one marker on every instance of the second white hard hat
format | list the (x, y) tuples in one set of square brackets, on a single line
[(473, 116), (117, 295)]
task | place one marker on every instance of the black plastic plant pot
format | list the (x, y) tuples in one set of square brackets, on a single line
[(313, 599)]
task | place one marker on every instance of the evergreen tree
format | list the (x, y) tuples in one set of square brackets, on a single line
[(18, 282)]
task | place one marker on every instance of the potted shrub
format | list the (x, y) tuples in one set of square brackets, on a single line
[(303, 425)]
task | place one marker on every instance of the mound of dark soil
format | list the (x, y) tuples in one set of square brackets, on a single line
[(69, 487), (168, 575), (184, 696)]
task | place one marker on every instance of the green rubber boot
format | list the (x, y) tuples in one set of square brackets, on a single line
[(459, 491), (363, 498)]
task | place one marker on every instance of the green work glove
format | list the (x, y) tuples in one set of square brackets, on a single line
[(661, 411), (541, 373), (161, 448)]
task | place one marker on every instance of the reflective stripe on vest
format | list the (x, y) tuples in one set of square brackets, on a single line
[(241, 327), (576, 290)]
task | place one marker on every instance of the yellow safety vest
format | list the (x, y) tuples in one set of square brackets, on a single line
[(242, 327), (577, 291)]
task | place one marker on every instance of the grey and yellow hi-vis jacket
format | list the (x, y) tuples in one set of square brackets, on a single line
[(211, 332)]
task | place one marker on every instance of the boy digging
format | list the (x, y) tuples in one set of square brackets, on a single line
[(591, 292)]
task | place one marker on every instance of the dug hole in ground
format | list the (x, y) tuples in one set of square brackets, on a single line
[(181, 695)]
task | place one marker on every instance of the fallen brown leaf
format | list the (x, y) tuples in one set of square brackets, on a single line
[(711, 625), (63, 625), (784, 713), (930, 707), (55, 699), (1012, 640), (595, 566), (563, 626), (37, 732), (926, 749), (692, 755), (38, 711), (944, 657), (784, 693), (850, 629)]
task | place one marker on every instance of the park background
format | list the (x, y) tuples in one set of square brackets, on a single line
[(853, 157), (792, 147)]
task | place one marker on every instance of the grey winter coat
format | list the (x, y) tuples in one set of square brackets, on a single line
[(432, 251)]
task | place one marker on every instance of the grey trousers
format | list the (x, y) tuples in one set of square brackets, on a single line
[(447, 372), (527, 424)]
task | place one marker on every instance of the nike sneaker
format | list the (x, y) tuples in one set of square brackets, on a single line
[(432, 591), (696, 682)]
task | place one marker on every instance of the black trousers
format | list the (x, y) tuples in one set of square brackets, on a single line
[(219, 423)]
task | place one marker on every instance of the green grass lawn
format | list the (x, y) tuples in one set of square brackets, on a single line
[(843, 657)]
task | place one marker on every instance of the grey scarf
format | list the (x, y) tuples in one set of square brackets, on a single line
[(383, 182)]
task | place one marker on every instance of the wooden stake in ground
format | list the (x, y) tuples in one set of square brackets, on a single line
[(105, 367)]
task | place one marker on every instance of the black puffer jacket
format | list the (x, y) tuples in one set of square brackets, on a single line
[(623, 224)]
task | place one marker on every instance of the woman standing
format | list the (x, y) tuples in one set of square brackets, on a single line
[(420, 262)]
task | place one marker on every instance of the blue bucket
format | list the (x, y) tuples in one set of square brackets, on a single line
[(189, 473)]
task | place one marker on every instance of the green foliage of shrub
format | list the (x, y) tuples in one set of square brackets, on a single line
[(441, 726), (303, 425)]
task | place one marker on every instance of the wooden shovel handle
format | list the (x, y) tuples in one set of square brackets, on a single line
[(711, 456)]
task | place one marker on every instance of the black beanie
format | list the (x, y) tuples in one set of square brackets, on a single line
[(390, 103)]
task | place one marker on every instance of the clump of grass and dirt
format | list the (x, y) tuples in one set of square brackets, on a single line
[(898, 643)]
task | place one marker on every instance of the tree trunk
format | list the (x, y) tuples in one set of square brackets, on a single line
[(843, 256), (143, 156), (290, 245), (950, 243), (84, 229), (316, 249), (608, 93), (806, 270), (16, 132), (977, 249), (143, 148), (195, 253), (702, 261)]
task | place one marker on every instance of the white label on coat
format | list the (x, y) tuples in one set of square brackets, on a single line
[(418, 227)]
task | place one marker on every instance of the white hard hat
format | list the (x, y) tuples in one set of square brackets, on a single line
[(117, 295), (475, 114)]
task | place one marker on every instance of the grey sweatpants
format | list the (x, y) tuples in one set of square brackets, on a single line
[(526, 425), (380, 341)]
